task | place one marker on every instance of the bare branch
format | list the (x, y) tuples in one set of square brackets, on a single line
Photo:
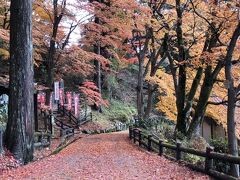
[(173, 71), (238, 90), (209, 23), (71, 29), (147, 68), (223, 102)]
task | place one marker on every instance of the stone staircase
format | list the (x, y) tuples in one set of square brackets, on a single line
[(61, 123)]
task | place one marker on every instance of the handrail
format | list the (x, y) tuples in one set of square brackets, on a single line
[(138, 136), (72, 117), (65, 129), (62, 123), (69, 113), (40, 136), (225, 157)]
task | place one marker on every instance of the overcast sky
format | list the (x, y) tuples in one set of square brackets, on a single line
[(81, 15)]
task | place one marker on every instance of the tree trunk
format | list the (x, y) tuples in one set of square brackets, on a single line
[(149, 101), (196, 83), (140, 105), (154, 62), (181, 125), (141, 55), (97, 64), (50, 64), (98, 70), (231, 127), (209, 80), (35, 112), (206, 89), (98, 74), (202, 102), (98, 79), (20, 127), (52, 47), (193, 90), (181, 90)]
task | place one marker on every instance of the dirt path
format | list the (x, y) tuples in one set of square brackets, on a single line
[(105, 156)]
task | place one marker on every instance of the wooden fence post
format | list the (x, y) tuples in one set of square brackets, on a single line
[(160, 147), (1, 141), (70, 117), (49, 139), (59, 111), (78, 122), (178, 152), (149, 142), (130, 132), (140, 137), (50, 123), (134, 135), (45, 121), (208, 160)]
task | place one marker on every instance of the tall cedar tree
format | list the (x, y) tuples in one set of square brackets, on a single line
[(110, 31), (97, 50), (19, 132)]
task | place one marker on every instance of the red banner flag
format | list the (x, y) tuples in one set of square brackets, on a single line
[(69, 101), (76, 104), (51, 99), (41, 100), (61, 96)]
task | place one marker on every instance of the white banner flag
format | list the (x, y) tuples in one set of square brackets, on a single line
[(56, 90)]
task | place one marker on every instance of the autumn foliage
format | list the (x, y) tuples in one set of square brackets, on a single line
[(92, 95)]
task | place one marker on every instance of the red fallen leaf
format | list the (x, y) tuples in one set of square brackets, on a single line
[(104, 156)]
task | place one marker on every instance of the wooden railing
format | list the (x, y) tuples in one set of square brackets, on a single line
[(151, 143), (1, 141), (72, 118), (65, 130), (43, 139)]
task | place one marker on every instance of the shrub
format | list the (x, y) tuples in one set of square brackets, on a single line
[(220, 145), (198, 143), (165, 129), (119, 111), (3, 116)]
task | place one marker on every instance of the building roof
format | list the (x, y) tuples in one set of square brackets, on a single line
[(238, 121), (4, 77)]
